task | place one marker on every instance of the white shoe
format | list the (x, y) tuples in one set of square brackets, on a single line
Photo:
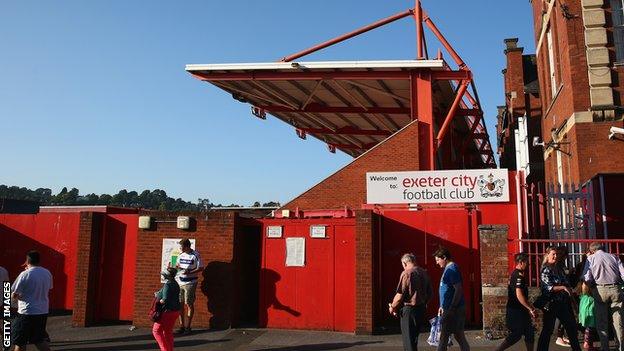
[(562, 342)]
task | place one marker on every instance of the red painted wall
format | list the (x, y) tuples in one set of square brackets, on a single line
[(320, 295), (55, 236)]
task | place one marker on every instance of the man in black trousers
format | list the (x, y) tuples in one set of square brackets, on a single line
[(520, 312), (413, 292)]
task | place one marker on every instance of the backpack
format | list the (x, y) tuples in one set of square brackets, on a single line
[(156, 310)]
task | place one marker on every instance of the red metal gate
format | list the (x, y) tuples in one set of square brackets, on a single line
[(422, 233), (117, 257), (319, 295), (55, 236)]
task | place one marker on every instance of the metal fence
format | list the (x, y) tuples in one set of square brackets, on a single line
[(536, 249), (570, 211)]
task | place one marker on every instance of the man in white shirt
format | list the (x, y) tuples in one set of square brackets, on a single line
[(189, 268), (31, 290)]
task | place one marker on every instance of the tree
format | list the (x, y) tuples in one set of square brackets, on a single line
[(156, 199), (92, 199), (271, 204), (105, 199), (204, 204)]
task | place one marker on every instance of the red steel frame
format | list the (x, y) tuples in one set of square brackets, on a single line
[(465, 104), (421, 107)]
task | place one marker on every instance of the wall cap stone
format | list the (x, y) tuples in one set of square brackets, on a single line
[(494, 227), (592, 3), (494, 290)]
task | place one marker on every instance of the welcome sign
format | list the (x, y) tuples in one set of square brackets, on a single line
[(422, 187)]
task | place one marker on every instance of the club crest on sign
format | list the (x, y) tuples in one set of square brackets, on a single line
[(491, 187)]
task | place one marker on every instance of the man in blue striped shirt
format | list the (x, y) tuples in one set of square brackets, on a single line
[(189, 268), (606, 273)]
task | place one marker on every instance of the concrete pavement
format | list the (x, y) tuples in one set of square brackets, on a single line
[(120, 337)]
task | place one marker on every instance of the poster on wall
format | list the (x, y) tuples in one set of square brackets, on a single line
[(422, 187), (318, 231), (295, 252), (274, 231), (170, 253)]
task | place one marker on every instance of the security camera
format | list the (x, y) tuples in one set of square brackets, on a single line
[(614, 131), (537, 141)]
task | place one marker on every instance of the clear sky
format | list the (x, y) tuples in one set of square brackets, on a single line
[(93, 94)]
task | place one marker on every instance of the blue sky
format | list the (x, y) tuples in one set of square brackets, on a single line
[(93, 94)]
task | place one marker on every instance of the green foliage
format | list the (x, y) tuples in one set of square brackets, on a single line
[(156, 199)]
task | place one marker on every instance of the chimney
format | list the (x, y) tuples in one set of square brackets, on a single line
[(511, 44)]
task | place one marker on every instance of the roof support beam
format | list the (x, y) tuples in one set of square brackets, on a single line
[(311, 95), (451, 113), (381, 91), (351, 147), (349, 35), (469, 112), (451, 75), (307, 75), (346, 131), (316, 108)]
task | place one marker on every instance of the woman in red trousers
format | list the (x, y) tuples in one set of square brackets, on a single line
[(169, 296)]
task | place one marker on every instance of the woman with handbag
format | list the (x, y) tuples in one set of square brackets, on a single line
[(556, 287), (169, 298)]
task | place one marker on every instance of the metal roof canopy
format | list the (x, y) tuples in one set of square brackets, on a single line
[(354, 105)]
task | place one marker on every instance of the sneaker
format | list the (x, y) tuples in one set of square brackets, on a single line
[(562, 342), (187, 331), (180, 331)]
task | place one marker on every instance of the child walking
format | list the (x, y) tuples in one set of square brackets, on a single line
[(587, 317)]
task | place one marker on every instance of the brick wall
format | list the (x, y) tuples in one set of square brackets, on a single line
[(216, 292), (494, 275), (87, 271), (495, 256), (347, 187), (364, 252), (518, 74), (599, 153), (585, 142), (590, 152), (570, 65)]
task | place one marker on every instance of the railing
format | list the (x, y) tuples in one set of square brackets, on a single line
[(535, 249), (571, 211)]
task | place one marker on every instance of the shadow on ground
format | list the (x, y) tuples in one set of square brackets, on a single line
[(131, 347), (318, 347)]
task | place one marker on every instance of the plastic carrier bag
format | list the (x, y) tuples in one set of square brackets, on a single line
[(434, 334)]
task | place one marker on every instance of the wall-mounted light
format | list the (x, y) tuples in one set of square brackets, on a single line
[(183, 222), (615, 130), (145, 222)]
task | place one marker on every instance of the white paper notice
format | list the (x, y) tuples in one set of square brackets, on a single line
[(295, 252)]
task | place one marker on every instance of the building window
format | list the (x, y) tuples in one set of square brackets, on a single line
[(551, 63), (617, 14)]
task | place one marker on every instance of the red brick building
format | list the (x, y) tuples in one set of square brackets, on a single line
[(519, 120), (580, 57)]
